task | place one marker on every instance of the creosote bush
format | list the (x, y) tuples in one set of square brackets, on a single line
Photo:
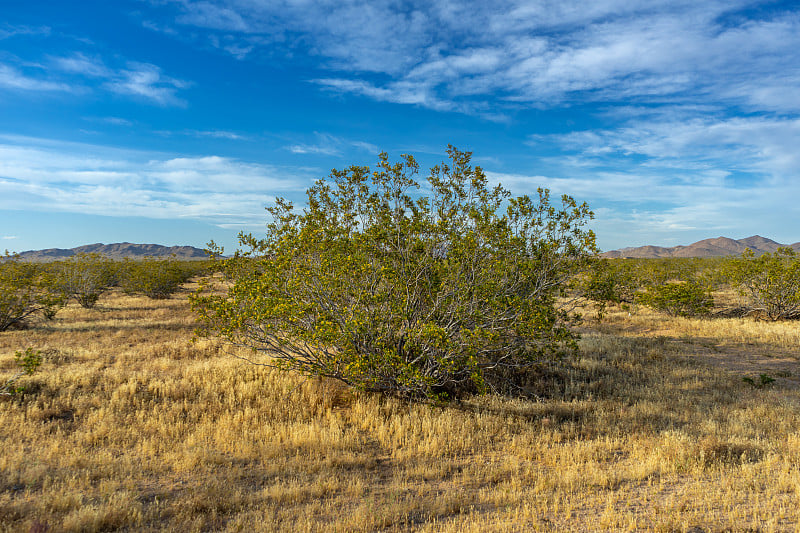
[(687, 298), (153, 277), (771, 282), (84, 277), (677, 286), (608, 282), (24, 290), (389, 290)]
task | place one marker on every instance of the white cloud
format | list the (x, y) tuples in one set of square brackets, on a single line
[(8, 31), (766, 146), (39, 174), (331, 145), (660, 176), (214, 134), (367, 147), (11, 78), (80, 64), (77, 72), (219, 134), (445, 56), (146, 81), (312, 149), (218, 17), (117, 121), (402, 92)]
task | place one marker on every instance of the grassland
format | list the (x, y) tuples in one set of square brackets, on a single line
[(132, 425)]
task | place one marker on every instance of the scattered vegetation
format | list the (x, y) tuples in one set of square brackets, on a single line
[(609, 282), (763, 381), (141, 428), (682, 298), (380, 297), (156, 278), (24, 290), (770, 281), (27, 362), (84, 277)]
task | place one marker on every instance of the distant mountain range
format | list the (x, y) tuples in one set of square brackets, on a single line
[(720, 246), (120, 250)]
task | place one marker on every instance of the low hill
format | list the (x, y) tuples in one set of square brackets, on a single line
[(120, 250), (721, 246)]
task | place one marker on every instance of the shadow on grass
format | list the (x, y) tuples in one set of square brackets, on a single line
[(98, 328), (617, 384)]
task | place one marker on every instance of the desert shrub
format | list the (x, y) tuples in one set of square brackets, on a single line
[(23, 292), (681, 298), (389, 290), (659, 271), (153, 277), (764, 380), (192, 268), (771, 282), (630, 282), (27, 363), (52, 301), (84, 277), (608, 282)]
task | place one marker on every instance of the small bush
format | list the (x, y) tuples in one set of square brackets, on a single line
[(686, 298), (763, 381), (27, 361), (771, 282), (84, 277), (24, 290), (610, 282), (153, 277)]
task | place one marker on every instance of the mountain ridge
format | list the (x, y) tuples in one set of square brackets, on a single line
[(713, 247), (119, 250)]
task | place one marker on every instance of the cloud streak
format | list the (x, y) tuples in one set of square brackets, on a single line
[(9, 31), (42, 175), (144, 81), (14, 79), (544, 53), (79, 73), (147, 82), (660, 177), (762, 146), (330, 145)]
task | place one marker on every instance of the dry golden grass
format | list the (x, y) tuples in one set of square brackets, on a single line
[(130, 425), (742, 346)]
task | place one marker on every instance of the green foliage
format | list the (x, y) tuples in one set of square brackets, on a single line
[(659, 271), (27, 362), (610, 282), (153, 277), (84, 277), (687, 298), (771, 282), (52, 301), (23, 291), (764, 380), (629, 282), (392, 291)]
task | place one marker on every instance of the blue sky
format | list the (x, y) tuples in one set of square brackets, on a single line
[(178, 121)]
